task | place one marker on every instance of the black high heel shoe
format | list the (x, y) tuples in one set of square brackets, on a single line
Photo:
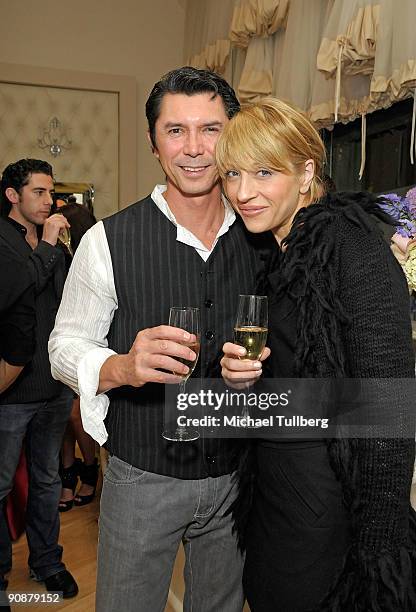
[(69, 479), (88, 475)]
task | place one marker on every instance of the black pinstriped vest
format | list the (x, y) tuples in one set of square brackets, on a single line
[(153, 271)]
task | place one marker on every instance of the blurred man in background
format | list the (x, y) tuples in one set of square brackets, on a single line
[(35, 407)]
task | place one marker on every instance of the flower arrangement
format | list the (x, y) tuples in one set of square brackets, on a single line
[(409, 268), (403, 209)]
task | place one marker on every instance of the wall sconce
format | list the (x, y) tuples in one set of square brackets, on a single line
[(54, 138)]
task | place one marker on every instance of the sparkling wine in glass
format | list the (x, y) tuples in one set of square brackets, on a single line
[(64, 236), (187, 318), (250, 330)]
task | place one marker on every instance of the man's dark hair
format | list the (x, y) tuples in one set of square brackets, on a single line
[(17, 175), (189, 81)]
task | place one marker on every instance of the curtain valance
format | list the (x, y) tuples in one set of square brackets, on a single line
[(207, 41), (335, 59)]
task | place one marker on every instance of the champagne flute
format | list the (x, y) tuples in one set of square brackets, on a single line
[(250, 329), (187, 318), (64, 236)]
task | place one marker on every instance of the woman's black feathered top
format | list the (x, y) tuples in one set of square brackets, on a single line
[(353, 321)]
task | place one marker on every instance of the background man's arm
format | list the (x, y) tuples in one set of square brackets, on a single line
[(88, 303), (46, 256), (17, 318)]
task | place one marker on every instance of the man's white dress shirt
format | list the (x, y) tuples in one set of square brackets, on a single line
[(78, 344)]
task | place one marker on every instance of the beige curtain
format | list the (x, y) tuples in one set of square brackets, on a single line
[(256, 76), (236, 65), (349, 37), (295, 52), (207, 25), (375, 38), (256, 18), (336, 59), (394, 76), (347, 53), (253, 24)]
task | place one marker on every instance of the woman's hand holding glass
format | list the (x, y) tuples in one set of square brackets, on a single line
[(237, 371), (242, 362)]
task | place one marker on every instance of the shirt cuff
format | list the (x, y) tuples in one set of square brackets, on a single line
[(93, 407), (48, 254)]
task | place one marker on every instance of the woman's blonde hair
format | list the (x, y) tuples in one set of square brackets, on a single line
[(273, 134)]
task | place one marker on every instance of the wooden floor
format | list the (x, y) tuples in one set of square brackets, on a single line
[(79, 530)]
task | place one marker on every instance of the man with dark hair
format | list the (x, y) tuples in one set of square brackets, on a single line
[(189, 81), (35, 407), (16, 176), (181, 245)]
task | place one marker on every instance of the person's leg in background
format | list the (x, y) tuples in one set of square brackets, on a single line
[(73, 468), (89, 468), (14, 420), (43, 444), (69, 469)]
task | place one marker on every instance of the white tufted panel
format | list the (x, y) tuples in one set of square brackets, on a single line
[(91, 119)]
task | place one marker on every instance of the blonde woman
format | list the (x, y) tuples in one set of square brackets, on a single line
[(330, 526)]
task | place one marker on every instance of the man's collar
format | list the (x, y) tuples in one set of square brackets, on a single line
[(13, 236), (20, 228), (183, 234), (160, 201)]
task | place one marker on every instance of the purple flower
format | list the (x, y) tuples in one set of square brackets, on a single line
[(402, 209), (411, 201), (391, 207), (406, 228), (392, 197)]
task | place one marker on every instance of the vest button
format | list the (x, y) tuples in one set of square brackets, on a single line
[(210, 459), (209, 335), (209, 303)]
